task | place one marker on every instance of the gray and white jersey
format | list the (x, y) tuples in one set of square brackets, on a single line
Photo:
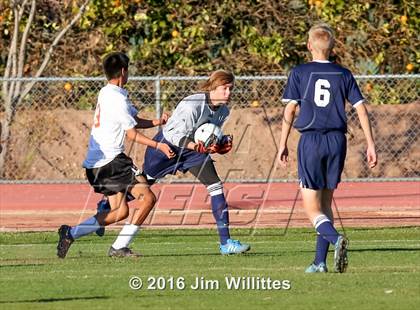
[(191, 113)]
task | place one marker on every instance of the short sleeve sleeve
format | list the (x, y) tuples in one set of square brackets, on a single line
[(133, 110), (354, 96), (124, 116), (291, 92)]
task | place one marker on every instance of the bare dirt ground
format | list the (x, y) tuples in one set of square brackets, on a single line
[(51, 145)]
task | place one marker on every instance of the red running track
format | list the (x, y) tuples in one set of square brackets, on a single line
[(34, 207)]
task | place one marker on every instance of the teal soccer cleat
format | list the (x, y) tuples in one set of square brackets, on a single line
[(233, 247), (340, 254), (321, 267)]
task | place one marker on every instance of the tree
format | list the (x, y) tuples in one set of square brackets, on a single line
[(14, 88)]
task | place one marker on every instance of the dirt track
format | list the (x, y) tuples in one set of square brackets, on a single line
[(37, 207)]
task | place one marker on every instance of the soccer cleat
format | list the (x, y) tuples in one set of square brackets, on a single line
[(123, 252), (103, 206), (65, 240), (234, 247), (340, 254), (321, 267)]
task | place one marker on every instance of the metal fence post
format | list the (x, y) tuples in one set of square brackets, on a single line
[(157, 99)]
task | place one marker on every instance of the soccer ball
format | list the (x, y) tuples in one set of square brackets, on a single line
[(208, 133)]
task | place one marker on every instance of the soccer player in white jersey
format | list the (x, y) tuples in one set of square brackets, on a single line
[(207, 106), (108, 169)]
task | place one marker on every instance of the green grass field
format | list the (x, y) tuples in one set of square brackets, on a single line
[(384, 271)]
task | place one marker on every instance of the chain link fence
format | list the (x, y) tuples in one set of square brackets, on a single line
[(50, 129)]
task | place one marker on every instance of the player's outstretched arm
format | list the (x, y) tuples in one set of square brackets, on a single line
[(134, 135), (289, 115), (362, 113), (149, 123)]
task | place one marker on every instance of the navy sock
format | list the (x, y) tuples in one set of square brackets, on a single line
[(322, 246), (325, 228), (221, 215)]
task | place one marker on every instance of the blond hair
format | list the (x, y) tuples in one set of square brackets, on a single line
[(321, 37), (217, 78)]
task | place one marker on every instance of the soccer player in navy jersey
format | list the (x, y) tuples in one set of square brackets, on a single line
[(320, 89)]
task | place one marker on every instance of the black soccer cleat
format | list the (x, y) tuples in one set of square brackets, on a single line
[(65, 240)]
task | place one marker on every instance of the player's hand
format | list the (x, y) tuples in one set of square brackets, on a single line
[(284, 155), (214, 148), (371, 157), (200, 148), (166, 149), (163, 119), (226, 144)]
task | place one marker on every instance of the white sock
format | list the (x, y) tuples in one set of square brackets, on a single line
[(126, 235)]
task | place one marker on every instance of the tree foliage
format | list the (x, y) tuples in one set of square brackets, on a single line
[(247, 36)]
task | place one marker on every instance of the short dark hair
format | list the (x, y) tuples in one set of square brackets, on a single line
[(113, 63)]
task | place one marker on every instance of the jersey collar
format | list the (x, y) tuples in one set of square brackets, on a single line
[(118, 89), (321, 61), (208, 101)]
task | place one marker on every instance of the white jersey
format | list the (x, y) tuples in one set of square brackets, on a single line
[(113, 116), (191, 113)]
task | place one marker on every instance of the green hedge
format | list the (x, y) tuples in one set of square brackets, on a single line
[(247, 36)]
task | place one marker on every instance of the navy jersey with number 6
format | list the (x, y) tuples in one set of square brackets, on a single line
[(320, 88)]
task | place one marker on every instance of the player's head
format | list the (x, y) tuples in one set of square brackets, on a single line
[(219, 85), (321, 39), (116, 66)]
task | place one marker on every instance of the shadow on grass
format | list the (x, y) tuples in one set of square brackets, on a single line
[(20, 265), (252, 253), (45, 300), (385, 250)]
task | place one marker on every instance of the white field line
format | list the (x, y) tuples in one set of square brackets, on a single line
[(146, 243)]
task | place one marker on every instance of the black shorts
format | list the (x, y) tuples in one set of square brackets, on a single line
[(115, 177)]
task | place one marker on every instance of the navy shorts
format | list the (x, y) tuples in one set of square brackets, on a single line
[(116, 176), (321, 159), (157, 165)]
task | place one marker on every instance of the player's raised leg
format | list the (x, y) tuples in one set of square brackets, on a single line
[(104, 206), (67, 234)]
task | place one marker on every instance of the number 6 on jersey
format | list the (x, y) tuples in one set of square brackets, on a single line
[(322, 94)]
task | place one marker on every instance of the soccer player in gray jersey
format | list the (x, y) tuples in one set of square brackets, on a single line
[(208, 106), (192, 112)]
